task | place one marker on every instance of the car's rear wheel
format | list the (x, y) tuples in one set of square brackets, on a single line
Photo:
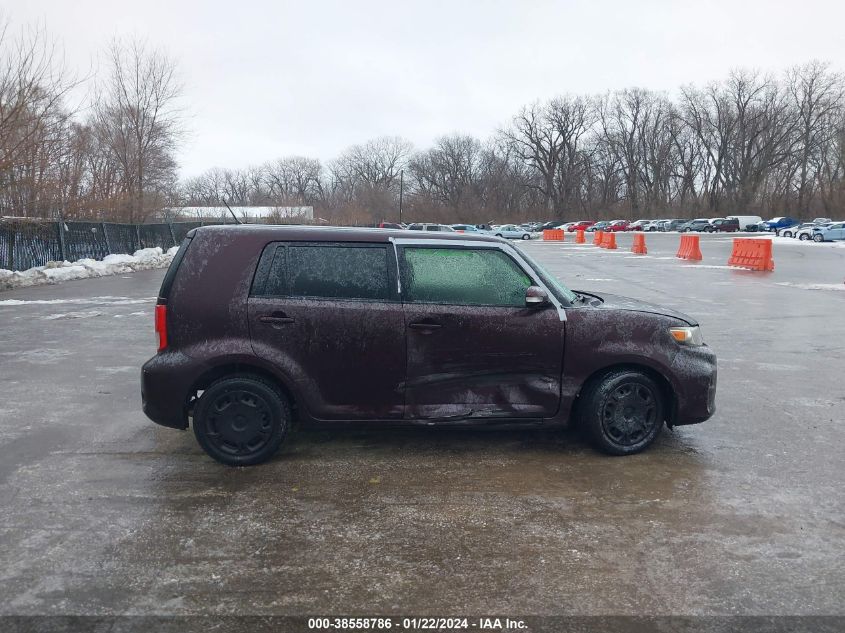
[(526, 236), (787, 234), (803, 237), (241, 420), (818, 237), (622, 412)]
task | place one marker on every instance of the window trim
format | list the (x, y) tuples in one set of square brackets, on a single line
[(268, 256), (505, 247)]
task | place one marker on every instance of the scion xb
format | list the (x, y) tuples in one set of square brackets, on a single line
[(261, 326)]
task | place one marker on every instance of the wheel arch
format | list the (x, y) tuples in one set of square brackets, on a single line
[(240, 367), (670, 400)]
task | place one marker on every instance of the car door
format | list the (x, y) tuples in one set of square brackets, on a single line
[(836, 232), (328, 316), (474, 350)]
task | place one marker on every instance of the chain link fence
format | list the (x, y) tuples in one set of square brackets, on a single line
[(27, 243)]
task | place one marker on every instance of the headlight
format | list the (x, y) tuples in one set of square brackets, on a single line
[(687, 335)]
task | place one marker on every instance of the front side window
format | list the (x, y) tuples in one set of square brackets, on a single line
[(462, 276), (330, 272)]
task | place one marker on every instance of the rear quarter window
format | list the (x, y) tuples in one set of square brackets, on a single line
[(170, 275)]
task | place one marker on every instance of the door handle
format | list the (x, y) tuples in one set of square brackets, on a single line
[(424, 325), (276, 319)]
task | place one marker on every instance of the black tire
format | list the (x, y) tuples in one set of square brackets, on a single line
[(498, 235), (818, 237), (804, 237), (526, 236), (241, 420), (622, 412)]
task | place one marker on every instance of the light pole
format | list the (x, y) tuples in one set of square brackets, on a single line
[(401, 191)]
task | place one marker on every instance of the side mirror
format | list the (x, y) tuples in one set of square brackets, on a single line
[(535, 296)]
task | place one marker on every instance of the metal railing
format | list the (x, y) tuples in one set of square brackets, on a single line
[(26, 243)]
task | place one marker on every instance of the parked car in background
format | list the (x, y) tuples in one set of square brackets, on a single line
[(511, 232), (469, 228), (458, 330), (598, 226), (652, 225), (806, 232), (830, 232), (670, 225), (778, 223), (746, 221), (425, 226), (617, 226), (792, 231), (582, 225), (638, 225), (821, 220), (699, 224), (391, 225), (725, 225)]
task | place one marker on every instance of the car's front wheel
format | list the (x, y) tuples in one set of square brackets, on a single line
[(803, 237), (526, 236), (818, 237), (241, 420), (622, 412)]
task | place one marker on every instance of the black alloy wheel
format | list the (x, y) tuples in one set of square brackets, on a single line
[(623, 412), (241, 420)]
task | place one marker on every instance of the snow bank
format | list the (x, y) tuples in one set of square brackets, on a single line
[(55, 272)]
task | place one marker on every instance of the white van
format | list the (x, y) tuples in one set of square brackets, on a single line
[(746, 221)]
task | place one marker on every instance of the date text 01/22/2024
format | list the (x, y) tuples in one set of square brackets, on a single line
[(417, 624)]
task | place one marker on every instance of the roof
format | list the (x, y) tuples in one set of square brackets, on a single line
[(339, 233)]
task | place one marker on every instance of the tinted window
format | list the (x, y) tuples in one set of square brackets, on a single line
[(462, 277), (332, 272)]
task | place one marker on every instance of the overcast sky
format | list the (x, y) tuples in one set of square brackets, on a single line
[(274, 78)]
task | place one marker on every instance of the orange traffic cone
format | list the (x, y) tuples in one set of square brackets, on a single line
[(579, 237), (638, 246)]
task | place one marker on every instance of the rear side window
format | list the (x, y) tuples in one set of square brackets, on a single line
[(357, 271), (170, 275), (462, 276)]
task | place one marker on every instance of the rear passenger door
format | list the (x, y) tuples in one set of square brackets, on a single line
[(328, 316)]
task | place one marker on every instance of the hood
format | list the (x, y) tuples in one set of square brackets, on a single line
[(617, 302)]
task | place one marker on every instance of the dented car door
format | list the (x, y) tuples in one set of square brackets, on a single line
[(474, 349)]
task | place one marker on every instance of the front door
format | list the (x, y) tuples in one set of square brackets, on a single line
[(474, 349), (328, 316)]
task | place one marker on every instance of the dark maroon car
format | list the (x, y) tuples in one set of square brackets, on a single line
[(260, 325)]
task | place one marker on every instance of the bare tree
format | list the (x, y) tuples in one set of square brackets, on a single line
[(33, 118), (138, 118)]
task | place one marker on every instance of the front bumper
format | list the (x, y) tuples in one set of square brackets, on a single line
[(695, 371)]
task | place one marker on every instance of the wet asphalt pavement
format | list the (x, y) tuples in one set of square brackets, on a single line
[(103, 512)]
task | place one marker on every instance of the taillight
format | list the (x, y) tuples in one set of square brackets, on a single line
[(161, 326)]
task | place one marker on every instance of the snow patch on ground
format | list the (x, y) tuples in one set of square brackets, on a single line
[(56, 272), (104, 300), (82, 314), (840, 287)]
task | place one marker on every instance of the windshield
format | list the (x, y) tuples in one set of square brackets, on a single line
[(561, 292)]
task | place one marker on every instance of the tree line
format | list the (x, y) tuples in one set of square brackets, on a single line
[(752, 143)]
